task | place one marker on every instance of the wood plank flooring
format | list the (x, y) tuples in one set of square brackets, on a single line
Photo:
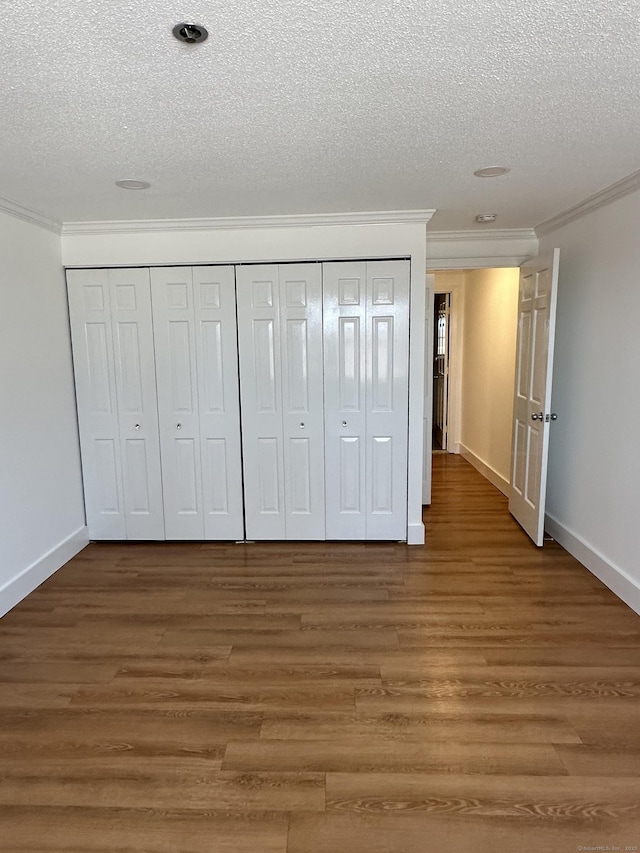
[(477, 694)]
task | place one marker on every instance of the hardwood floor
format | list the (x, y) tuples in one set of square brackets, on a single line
[(477, 694)]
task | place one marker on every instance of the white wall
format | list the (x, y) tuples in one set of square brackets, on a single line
[(593, 492), (488, 368), (151, 245), (41, 505)]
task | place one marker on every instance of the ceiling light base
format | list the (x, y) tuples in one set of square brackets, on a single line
[(190, 33)]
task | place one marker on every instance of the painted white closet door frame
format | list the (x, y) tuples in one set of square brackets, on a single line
[(94, 369), (174, 332), (345, 323), (258, 296), (214, 298), (302, 399), (387, 398)]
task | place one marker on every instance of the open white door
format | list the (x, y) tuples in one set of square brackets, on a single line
[(532, 400)]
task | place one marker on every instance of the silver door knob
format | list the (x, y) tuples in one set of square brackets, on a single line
[(344, 423), (553, 416), (137, 426), (537, 416), (178, 426), (301, 424)]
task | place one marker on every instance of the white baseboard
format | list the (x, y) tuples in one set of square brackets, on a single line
[(30, 578), (415, 534), (611, 575), (487, 471)]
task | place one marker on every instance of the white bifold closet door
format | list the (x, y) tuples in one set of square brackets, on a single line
[(281, 382), (114, 367), (194, 322), (366, 384)]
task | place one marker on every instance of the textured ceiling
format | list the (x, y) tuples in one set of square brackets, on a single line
[(317, 106)]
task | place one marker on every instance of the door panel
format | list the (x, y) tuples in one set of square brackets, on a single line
[(217, 494), (382, 474), (302, 399), (135, 378), (366, 398), (187, 469), (138, 476), (92, 338), (110, 313), (219, 397), (98, 354), (182, 364), (532, 398), (269, 477), (108, 484), (280, 332), (261, 398), (264, 365), (382, 365), (128, 369), (387, 398), (212, 399), (344, 297), (350, 470), (174, 332), (350, 371), (299, 458)]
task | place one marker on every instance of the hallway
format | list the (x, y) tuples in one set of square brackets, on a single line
[(477, 694)]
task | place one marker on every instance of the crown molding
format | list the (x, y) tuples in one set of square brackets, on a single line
[(480, 248), (482, 235), (476, 263), (606, 196), (20, 211), (376, 217)]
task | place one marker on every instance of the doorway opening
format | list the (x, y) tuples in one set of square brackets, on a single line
[(472, 329), (441, 313)]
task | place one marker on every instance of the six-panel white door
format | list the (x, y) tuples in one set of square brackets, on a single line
[(280, 343), (532, 398), (366, 339), (195, 332), (114, 366)]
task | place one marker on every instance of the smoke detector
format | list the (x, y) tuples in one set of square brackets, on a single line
[(190, 33)]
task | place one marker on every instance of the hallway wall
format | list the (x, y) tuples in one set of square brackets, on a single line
[(594, 461)]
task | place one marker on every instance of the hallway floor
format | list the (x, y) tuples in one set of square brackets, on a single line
[(477, 694)]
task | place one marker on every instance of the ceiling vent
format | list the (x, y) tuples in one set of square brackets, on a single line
[(190, 33)]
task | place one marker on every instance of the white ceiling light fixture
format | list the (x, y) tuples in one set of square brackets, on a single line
[(133, 185), (190, 33), (483, 218), (491, 172)]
